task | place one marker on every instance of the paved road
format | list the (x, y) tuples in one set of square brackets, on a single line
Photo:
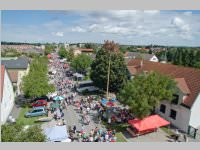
[(73, 117)]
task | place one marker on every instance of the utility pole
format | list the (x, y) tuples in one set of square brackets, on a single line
[(107, 93)]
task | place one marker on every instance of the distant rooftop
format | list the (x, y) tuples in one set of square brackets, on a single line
[(20, 63)]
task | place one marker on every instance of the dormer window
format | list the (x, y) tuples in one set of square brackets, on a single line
[(175, 99)]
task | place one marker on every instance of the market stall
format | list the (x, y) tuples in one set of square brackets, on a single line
[(57, 134), (146, 125)]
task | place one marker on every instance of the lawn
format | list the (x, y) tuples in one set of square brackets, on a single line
[(120, 128), (26, 121), (120, 137), (167, 130)]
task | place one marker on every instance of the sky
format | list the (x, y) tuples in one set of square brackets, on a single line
[(131, 27)]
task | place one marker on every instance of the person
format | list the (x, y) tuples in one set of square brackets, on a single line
[(82, 128), (92, 132), (74, 128), (109, 120), (88, 110), (185, 138), (64, 122), (106, 136), (91, 139)]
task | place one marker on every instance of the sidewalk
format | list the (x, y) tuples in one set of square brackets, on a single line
[(15, 111)]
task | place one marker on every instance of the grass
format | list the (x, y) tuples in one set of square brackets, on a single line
[(167, 130), (119, 129), (120, 137), (86, 78), (26, 121)]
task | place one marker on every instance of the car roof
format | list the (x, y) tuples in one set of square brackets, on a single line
[(41, 100), (41, 107)]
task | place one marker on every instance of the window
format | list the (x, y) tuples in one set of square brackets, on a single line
[(175, 100), (173, 114), (162, 108)]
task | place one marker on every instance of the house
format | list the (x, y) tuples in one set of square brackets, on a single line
[(24, 48), (17, 69), (66, 45), (183, 112), (7, 95), (83, 51), (132, 55)]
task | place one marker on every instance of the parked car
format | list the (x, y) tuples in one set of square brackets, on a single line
[(41, 98), (36, 111), (39, 103)]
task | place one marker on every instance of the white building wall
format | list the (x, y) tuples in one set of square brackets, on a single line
[(195, 113), (7, 101), (182, 115)]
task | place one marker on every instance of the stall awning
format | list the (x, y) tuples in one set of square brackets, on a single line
[(57, 133), (148, 123)]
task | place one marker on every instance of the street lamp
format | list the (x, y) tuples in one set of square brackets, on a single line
[(107, 93)]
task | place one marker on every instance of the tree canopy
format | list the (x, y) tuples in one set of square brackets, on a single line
[(143, 93), (118, 70), (17, 133), (36, 82), (62, 52), (184, 56), (48, 49), (81, 62)]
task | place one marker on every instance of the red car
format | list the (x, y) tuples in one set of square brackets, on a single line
[(39, 103)]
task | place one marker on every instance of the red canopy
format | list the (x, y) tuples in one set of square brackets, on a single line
[(49, 55), (111, 104), (148, 123)]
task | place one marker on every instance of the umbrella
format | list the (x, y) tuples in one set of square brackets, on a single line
[(111, 104), (55, 105), (58, 98), (113, 100), (104, 101)]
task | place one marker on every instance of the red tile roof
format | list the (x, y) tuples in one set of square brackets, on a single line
[(2, 79), (182, 85), (86, 50), (190, 75), (132, 70)]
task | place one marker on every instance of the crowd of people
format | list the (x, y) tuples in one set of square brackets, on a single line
[(84, 105), (95, 135)]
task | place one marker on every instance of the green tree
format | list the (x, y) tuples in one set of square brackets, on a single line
[(62, 52), (36, 82), (143, 93), (70, 56), (81, 62), (17, 133), (118, 70), (48, 49)]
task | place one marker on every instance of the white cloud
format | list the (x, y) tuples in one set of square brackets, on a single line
[(123, 13), (115, 30), (180, 24), (58, 34), (177, 21), (151, 12), (187, 13), (78, 29), (163, 30), (139, 27)]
